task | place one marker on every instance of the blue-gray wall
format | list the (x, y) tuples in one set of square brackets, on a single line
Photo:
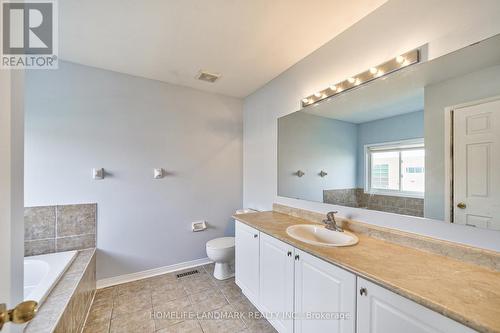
[(403, 127), (311, 144), (79, 117)]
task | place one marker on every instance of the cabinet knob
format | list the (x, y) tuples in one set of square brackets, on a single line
[(297, 257), (289, 253), (363, 291), (255, 236)]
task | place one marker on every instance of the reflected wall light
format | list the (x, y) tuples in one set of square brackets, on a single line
[(395, 64)]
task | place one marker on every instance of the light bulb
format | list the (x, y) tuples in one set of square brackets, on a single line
[(400, 59), (305, 101), (318, 94), (357, 82), (333, 87), (373, 70), (351, 80)]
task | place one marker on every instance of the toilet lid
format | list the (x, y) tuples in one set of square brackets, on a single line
[(221, 243)]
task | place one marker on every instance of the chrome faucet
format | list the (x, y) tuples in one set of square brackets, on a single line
[(330, 222)]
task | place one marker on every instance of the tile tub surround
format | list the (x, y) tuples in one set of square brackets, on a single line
[(198, 296), (465, 253), (344, 197), (67, 305), (356, 197), (469, 294), (59, 228)]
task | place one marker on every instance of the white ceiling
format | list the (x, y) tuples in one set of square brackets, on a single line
[(248, 41)]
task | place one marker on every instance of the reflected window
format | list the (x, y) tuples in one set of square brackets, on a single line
[(396, 168)]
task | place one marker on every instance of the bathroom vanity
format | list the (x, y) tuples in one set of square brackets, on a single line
[(373, 286), (412, 148)]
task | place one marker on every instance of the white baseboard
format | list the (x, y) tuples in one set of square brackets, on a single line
[(108, 282)]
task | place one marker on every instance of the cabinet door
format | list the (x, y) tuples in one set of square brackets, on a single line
[(325, 296), (247, 260), (276, 282), (382, 311)]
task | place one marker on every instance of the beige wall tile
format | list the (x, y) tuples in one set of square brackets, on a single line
[(75, 242), (76, 219), (39, 222), (42, 246), (59, 228), (386, 203)]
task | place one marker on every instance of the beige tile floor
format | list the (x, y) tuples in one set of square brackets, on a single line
[(166, 304)]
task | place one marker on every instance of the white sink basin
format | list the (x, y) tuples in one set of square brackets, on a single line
[(319, 235)]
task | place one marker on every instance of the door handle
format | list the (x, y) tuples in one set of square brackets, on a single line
[(363, 291), (289, 253), (297, 257), (461, 205), (21, 314), (255, 236)]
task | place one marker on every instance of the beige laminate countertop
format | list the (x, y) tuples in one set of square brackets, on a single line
[(465, 292)]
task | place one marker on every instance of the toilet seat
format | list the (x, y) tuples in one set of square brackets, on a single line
[(220, 243)]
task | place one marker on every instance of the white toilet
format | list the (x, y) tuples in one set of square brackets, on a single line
[(221, 250)]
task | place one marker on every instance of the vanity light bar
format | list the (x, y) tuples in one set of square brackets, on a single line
[(401, 61)]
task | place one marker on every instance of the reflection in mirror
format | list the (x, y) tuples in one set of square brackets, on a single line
[(376, 164), (387, 145)]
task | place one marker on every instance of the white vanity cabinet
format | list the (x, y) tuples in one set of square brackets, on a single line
[(277, 281), (280, 280), (382, 311), (292, 281), (247, 260), (325, 293)]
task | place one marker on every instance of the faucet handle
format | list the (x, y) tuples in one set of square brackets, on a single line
[(330, 216)]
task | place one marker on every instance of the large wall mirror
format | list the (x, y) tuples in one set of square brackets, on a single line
[(423, 141)]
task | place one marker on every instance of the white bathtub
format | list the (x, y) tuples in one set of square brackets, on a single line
[(42, 272)]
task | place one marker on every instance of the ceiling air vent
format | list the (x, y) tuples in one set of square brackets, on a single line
[(209, 77)]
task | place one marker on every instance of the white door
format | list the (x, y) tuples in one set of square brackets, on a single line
[(382, 311), (11, 192), (276, 282), (476, 152), (324, 292), (247, 260)]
